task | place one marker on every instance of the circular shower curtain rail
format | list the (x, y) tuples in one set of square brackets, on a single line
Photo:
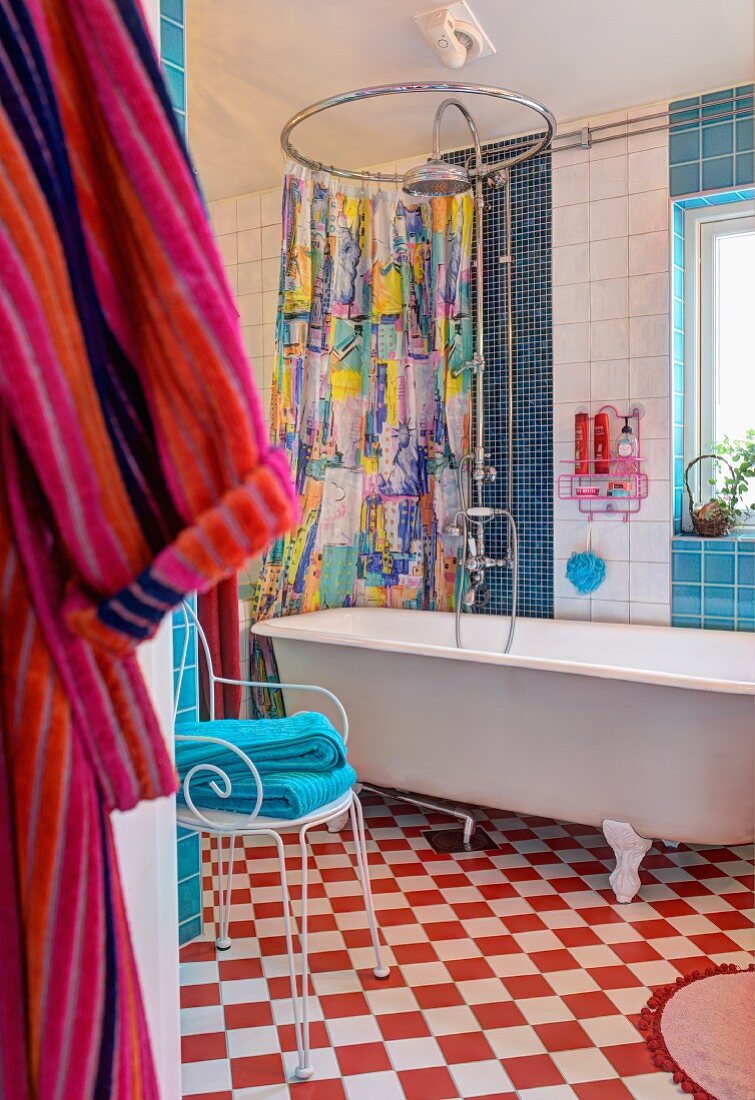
[(452, 86)]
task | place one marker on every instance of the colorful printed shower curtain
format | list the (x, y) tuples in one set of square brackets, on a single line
[(368, 401)]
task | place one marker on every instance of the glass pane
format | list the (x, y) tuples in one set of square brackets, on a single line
[(735, 329), (734, 409)]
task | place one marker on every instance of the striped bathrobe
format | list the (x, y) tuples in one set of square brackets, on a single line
[(134, 470)]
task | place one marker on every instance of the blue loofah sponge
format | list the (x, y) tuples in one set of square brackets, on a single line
[(586, 571)]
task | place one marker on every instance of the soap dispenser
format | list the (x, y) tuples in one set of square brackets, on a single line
[(627, 450)]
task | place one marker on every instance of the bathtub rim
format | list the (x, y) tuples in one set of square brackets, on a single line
[(283, 627)]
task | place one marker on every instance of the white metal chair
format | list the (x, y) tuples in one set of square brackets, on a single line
[(220, 823)]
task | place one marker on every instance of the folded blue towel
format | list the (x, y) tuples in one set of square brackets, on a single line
[(285, 794), (301, 759), (305, 742)]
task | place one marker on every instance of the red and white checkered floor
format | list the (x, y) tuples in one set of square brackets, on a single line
[(514, 973)]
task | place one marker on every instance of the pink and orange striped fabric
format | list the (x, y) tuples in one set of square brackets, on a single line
[(134, 470)]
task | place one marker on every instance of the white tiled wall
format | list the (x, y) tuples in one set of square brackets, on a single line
[(248, 233), (611, 346)]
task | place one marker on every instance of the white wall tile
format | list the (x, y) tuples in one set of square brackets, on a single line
[(649, 335), (654, 137), (271, 241), (608, 218), (610, 539), (609, 339), (608, 177), (250, 309), (571, 343), (271, 273), (270, 207), (269, 306), (648, 169), (609, 611), (609, 380), (648, 294), (569, 537), (657, 505), (649, 376), (649, 614), (268, 339), (571, 382), (563, 430), (608, 297), (252, 335), (616, 584), (618, 143), (649, 582), (571, 303), (609, 259), (655, 421), (249, 245), (248, 211), (650, 541), (250, 278), (570, 184), (648, 252), (223, 216), (575, 609), (649, 211), (656, 453), (571, 264), (570, 224), (232, 277), (227, 248)]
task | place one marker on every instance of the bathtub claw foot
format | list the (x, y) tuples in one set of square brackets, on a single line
[(629, 848), (336, 824)]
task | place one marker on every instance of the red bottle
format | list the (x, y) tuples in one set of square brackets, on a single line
[(601, 443), (581, 443)]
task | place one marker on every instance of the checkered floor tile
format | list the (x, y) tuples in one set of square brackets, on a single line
[(514, 973)]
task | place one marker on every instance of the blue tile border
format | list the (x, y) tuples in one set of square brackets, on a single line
[(173, 55), (189, 850), (713, 582), (711, 141)]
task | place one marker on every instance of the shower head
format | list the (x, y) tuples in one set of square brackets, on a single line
[(435, 179)]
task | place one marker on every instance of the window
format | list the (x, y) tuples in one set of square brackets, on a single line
[(719, 316)]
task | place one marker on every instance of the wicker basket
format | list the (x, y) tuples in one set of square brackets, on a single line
[(709, 520)]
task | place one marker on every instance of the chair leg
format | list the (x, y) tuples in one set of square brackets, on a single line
[(360, 847), (223, 941), (302, 1071)]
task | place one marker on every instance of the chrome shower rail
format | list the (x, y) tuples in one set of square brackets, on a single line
[(452, 86)]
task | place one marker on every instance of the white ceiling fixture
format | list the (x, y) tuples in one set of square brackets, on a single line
[(455, 34), (252, 64)]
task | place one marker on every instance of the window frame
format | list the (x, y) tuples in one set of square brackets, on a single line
[(703, 227)]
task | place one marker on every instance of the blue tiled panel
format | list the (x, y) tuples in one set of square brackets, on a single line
[(711, 141), (713, 582), (189, 878), (533, 378), (173, 55)]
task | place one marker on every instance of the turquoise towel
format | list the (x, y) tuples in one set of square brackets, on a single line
[(301, 759), (305, 742), (285, 794)]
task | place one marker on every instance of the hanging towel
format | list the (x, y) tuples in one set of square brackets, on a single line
[(133, 470), (305, 742), (218, 613)]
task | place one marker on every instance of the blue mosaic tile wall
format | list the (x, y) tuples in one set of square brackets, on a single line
[(533, 378), (189, 878), (713, 583), (173, 60), (711, 141), (173, 55)]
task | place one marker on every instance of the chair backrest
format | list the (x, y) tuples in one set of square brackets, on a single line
[(190, 619)]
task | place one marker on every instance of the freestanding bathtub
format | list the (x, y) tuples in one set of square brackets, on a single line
[(644, 731)]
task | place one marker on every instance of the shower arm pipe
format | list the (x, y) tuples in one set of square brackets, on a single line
[(509, 346), (452, 86)]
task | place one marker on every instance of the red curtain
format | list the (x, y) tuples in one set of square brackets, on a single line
[(218, 613)]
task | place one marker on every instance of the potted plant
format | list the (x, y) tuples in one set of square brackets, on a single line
[(728, 508)]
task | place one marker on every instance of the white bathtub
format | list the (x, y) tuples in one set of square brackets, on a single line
[(646, 731)]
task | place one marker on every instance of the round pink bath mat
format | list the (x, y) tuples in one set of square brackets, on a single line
[(702, 1030)]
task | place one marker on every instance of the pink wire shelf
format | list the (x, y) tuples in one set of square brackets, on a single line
[(620, 491)]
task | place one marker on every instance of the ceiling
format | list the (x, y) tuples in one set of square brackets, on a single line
[(252, 64)]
